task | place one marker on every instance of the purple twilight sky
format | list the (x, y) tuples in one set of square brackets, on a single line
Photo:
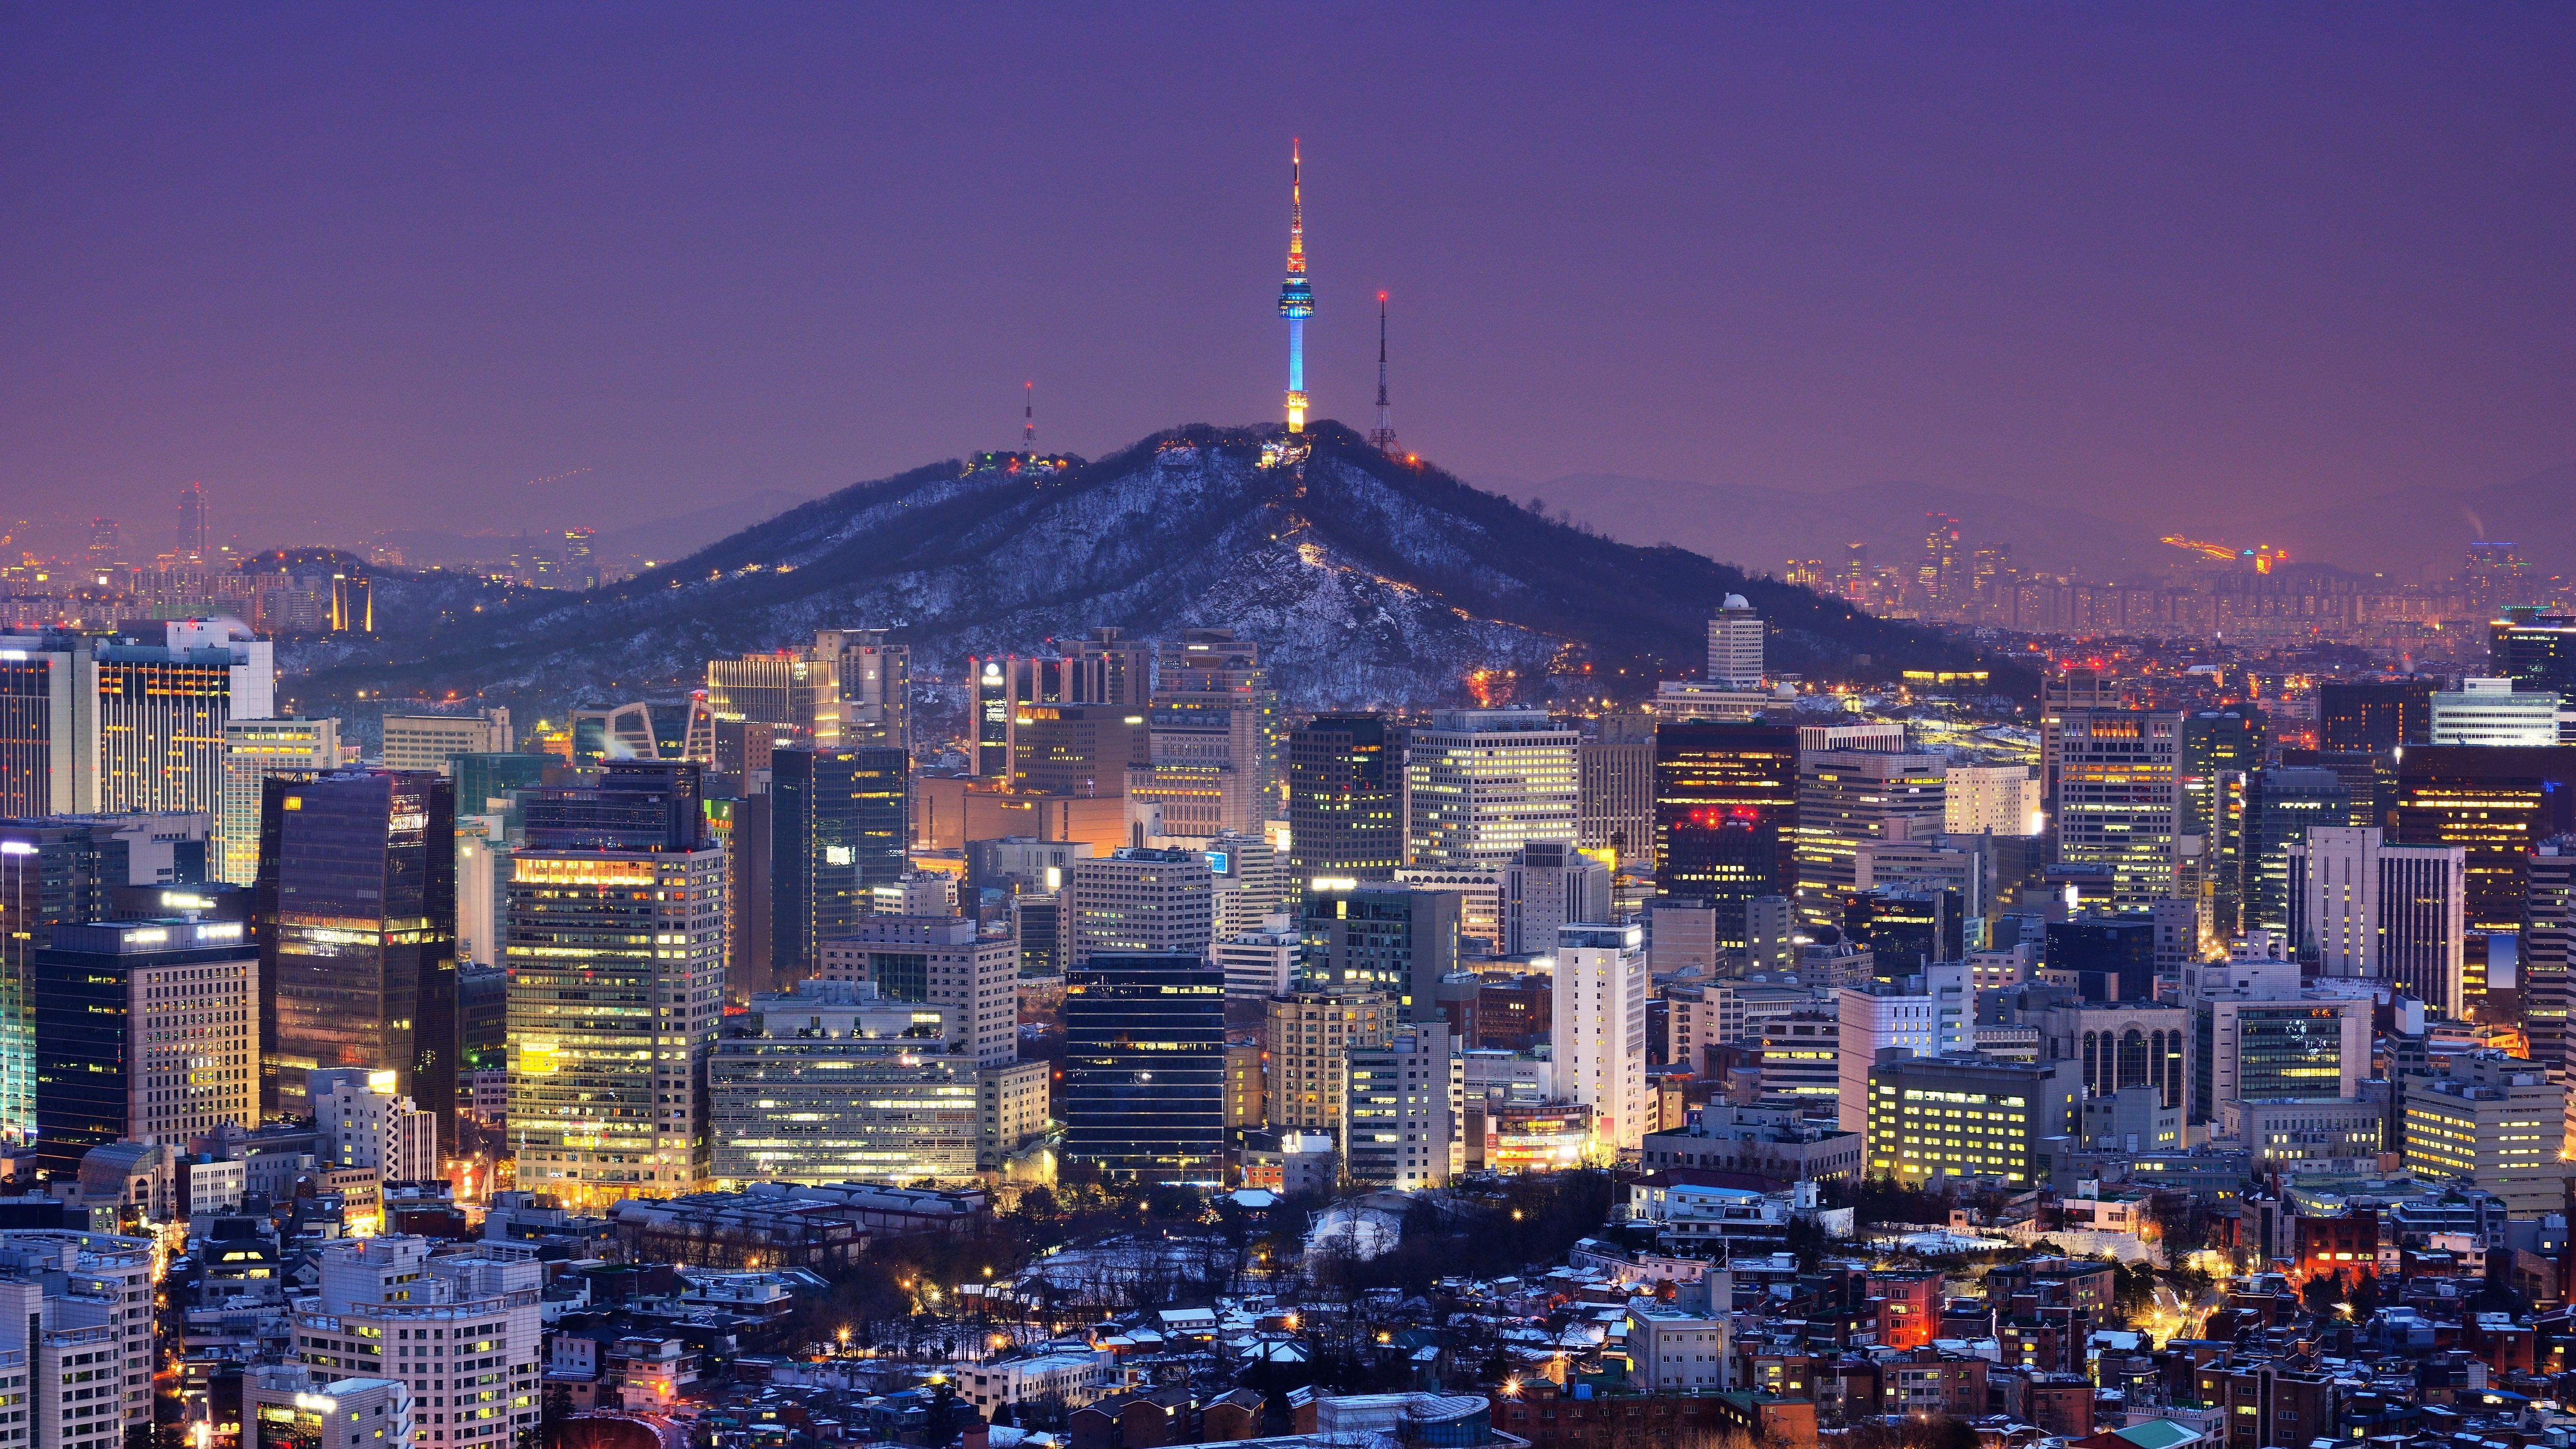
[(363, 267)]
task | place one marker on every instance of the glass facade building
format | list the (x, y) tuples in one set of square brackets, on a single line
[(1726, 815), (838, 822), (1144, 1067), (2496, 803), (356, 916), (1345, 799)]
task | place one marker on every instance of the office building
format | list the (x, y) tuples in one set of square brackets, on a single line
[(1991, 800), (254, 750), (2073, 692), (1390, 938), (872, 686), (1104, 666), (356, 921), (616, 954), (1144, 1068), (1345, 799), (1965, 1116), (291, 1406), (2495, 803), (1735, 645), (1928, 1014), (835, 1082), (2219, 749), (2119, 1045), (2282, 804), (430, 741), (2534, 648), (482, 878), (939, 960), (144, 1031), (76, 1313), (361, 1121), (2496, 1123), (161, 713), (484, 782), (837, 828), (1851, 798), (2494, 712), (1906, 928), (1404, 1108), (1615, 789), (1480, 902), (2319, 1132), (1962, 864), (1249, 877), (2549, 948), (1085, 751), (2396, 913), (1217, 737), (1599, 1028), (1548, 887), (1012, 1103), (2258, 1037), (1262, 963), (783, 687), (1802, 1055), (1141, 901), (1311, 1035), (48, 749), (1481, 784), (460, 1329), (2119, 799), (2375, 716), (2106, 957), (1726, 816), (666, 730)]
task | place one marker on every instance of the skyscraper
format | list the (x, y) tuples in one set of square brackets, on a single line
[(1599, 1016), (1296, 295), (2534, 648), (1848, 799), (254, 751), (2496, 803), (1735, 645), (1615, 790), (48, 750), (838, 826), (617, 972), (1345, 799), (2119, 799), (1726, 816), (2494, 712), (1482, 783), (873, 679), (161, 713), (784, 688), (2361, 907), (192, 546), (1383, 937), (2375, 715), (1107, 667), (1140, 900), (356, 912), (1144, 1066), (430, 741), (145, 1033), (2282, 804), (2219, 748), (1216, 737), (1084, 750)]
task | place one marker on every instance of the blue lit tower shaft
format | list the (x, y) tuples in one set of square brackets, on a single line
[(1296, 295)]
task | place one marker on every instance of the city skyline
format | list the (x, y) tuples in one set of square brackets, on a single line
[(1798, 255)]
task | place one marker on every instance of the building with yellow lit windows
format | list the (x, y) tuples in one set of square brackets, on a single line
[(616, 986), (1482, 783), (1964, 1116), (2496, 1123)]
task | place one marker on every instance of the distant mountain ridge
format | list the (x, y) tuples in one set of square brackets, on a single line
[(1369, 582)]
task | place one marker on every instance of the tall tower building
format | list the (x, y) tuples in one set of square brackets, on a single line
[(161, 713), (1615, 793), (1296, 295), (1345, 799), (1726, 816), (1144, 1066), (2494, 801), (1599, 1010), (1216, 738), (1482, 783), (1735, 645), (193, 547), (1850, 799), (2119, 798), (874, 683), (356, 911), (2360, 907), (144, 1033), (256, 750), (48, 726), (838, 827), (616, 911)]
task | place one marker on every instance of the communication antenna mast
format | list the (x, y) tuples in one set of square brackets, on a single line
[(1028, 417), (1382, 437)]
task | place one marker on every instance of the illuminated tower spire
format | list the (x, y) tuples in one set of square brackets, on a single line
[(1028, 417), (1382, 437), (1296, 296)]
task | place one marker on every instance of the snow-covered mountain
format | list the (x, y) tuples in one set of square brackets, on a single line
[(1368, 581)]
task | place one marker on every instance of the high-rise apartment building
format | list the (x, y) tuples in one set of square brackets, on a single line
[(1599, 1025), (1848, 799), (1144, 1066), (838, 827), (1345, 799), (1726, 816), (1615, 788), (2494, 712), (1141, 900), (1311, 1035), (2119, 799), (461, 1330), (2494, 802), (872, 683), (2396, 913), (1404, 1108), (946, 961), (1735, 645), (432, 741), (834, 1082), (356, 911), (1482, 783), (254, 751), (1383, 937), (144, 1031), (616, 955), (1991, 800), (2495, 1122)]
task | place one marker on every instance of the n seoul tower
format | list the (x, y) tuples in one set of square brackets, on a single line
[(1296, 295)]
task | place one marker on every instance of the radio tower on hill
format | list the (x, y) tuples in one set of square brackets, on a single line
[(1382, 437), (1296, 295), (1028, 417)]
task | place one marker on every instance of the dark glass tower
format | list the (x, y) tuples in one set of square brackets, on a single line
[(635, 805), (356, 910), (1726, 815), (2495, 801), (2376, 715), (2219, 748), (2282, 804), (1345, 799), (1144, 1067), (1380, 937), (838, 825)]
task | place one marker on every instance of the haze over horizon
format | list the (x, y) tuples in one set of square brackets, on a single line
[(386, 269)]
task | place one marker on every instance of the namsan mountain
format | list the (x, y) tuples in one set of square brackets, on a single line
[(1368, 581)]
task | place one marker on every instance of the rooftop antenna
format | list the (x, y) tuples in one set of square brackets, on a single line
[(1382, 437), (1028, 417)]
